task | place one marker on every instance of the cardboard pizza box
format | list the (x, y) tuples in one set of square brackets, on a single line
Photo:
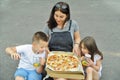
[(79, 74), (65, 75)]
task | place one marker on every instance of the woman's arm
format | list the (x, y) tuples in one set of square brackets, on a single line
[(77, 37), (76, 43)]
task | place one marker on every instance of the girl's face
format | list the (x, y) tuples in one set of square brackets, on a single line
[(60, 17), (84, 49)]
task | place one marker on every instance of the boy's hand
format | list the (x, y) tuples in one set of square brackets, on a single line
[(15, 56), (47, 50), (42, 61), (41, 67)]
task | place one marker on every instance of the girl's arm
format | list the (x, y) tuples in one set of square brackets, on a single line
[(97, 66), (82, 58)]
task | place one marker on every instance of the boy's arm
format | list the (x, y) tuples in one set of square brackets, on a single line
[(42, 65), (40, 69), (13, 53)]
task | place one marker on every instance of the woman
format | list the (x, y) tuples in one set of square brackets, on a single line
[(63, 33)]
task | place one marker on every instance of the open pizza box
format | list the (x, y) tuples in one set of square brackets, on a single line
[(77, 74)]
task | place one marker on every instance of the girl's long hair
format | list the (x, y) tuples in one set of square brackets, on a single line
[(90, 44)]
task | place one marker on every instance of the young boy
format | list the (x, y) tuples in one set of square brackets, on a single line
[(26, 53)]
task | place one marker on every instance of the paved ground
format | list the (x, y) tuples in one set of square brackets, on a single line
[(19, 19)]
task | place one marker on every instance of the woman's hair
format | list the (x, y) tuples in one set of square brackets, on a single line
[(39, 36), (90, 44), (62, 7)]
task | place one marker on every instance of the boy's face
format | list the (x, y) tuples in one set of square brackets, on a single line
[(40, 46)]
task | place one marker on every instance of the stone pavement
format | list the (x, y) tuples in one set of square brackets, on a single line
[(20, 19)]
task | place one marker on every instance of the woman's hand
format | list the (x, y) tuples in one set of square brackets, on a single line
[(76, 49)]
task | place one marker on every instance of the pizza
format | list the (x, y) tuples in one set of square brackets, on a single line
[(62, 62)]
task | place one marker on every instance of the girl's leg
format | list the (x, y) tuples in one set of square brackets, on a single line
[(89, 73), (92, 74), (95, 75)]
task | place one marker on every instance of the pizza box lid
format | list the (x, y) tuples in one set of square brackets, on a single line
[(61, 52)]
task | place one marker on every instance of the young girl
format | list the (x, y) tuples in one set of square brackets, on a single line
[(94, 64)]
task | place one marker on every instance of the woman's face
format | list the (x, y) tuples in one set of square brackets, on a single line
[(60, 17), (84, 49)]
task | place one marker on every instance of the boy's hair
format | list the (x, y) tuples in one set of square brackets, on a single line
[(39, 36)]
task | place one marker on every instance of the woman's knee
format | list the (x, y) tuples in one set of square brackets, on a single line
[(60, 79)]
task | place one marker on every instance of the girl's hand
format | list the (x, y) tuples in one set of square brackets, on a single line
[(15, 56), (90, 62)]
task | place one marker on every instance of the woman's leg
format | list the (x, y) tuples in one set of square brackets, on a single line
[(64, 79), (60, 79), (74, 79)]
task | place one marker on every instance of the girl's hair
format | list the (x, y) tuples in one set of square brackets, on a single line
[(39, 36), (90, 44), (62, 7)]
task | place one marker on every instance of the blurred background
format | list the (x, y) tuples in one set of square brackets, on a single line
[(20, 19)]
